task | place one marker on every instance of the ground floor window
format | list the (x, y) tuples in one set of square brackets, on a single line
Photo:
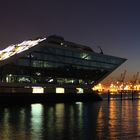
[(37, 90), (60, 90)]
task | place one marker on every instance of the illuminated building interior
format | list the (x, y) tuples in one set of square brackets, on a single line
[(18, 48), (54, 61)]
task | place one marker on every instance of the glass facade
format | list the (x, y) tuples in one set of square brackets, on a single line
[(59, 65)]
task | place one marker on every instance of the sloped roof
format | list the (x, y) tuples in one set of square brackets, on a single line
[(18, 48)]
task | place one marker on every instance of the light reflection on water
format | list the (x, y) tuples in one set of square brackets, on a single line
[(120, 121), (116, 96), (71, 121)]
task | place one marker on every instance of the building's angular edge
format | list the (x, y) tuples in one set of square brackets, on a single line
[(55, 66)]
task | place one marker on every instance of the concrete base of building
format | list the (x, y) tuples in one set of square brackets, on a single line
[(16, 98)]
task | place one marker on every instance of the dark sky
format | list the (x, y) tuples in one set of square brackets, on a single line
[(112, 24)]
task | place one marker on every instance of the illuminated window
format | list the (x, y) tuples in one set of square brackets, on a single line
[(62, 43), (18, 48), (60, 90), (85, 56), (80, 90), (51, 80), (9, 78), (37, 90), (61, 80), (24, 79)]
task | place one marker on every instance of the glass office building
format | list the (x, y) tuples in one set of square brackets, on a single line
[(54, 61)]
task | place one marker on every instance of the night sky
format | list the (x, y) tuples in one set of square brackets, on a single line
[(112, 24)]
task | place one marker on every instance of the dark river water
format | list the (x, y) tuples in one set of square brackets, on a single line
[(116, 120)]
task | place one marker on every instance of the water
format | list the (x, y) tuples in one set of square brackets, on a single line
[(117, 96), (115, 120)]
